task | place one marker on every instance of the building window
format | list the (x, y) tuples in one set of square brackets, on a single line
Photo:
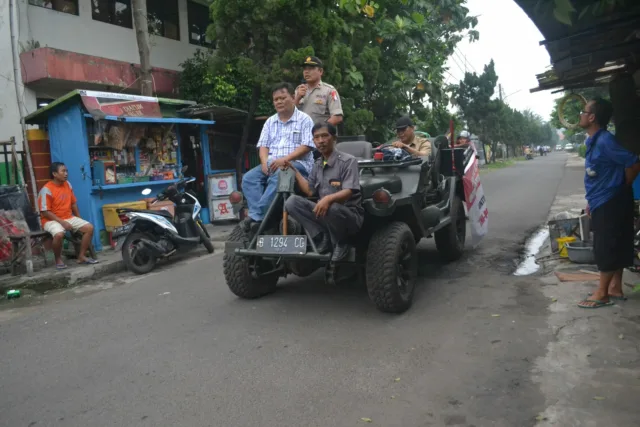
[(116, 12), (163, 18), (198, 18), (64, 6)]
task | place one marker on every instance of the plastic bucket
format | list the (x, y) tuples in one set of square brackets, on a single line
[(562, 245)]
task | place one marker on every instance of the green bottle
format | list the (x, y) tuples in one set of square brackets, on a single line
[(13, 293)]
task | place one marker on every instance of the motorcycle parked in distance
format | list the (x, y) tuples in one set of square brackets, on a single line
[(149, 235)]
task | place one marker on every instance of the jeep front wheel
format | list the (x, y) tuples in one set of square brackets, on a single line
[(391, 268), (242, 277)]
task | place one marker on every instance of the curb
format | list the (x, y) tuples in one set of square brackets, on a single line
[(76, 276)]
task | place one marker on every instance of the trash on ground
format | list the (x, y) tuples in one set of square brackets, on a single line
[(366, 420), (13, 293), (577, 277)]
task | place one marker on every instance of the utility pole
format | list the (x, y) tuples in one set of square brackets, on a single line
[(500, 88), (142, 37)]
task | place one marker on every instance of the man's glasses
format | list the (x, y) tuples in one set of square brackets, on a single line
[(586, 112)]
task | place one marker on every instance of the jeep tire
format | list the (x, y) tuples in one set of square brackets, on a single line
[(391, 268), (238, 274)]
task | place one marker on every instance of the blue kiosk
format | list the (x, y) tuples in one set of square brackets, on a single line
[(115, 145)]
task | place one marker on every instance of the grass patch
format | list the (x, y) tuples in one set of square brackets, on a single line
[(499, 164)]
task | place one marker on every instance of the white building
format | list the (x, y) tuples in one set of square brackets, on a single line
[(91, 44)]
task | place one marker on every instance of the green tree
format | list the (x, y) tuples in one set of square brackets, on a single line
[(481, 113), (493, 120), (400, 50), (386, 59), (226, 85)]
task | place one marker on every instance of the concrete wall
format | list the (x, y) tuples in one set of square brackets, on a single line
[(75, 33)]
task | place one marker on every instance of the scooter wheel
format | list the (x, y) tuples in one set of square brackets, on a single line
[(140, 261), (204, 238)]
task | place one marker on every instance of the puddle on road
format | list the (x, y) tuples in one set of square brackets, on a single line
[(528, 265)]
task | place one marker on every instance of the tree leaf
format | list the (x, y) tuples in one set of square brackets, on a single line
[(584, 12), (563, 17), (418, 18), (564, 6)]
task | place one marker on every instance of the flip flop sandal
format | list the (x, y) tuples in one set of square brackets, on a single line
[(594, 303), (88, 261), (613, 297), (60, 266)]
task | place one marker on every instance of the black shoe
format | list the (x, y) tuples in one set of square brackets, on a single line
[(323, 244), (340, 252)]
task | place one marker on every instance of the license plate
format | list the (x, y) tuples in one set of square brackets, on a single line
[(282, 244), (119, 231)]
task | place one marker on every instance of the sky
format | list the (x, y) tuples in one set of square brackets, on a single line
[(507, 36)]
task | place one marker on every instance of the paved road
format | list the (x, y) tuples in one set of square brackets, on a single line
[(175, 348)]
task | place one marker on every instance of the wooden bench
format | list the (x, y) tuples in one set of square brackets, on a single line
[(22, 248)]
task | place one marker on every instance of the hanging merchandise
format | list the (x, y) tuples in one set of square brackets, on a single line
[(99, 132), (137, 134), (117, 135)]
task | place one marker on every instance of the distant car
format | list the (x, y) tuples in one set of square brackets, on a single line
[(559, 147)]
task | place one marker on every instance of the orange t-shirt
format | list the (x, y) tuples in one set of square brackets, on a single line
[(56, 199)]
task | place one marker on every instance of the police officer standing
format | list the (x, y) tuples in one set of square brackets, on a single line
[(334, 179), (317, 98)]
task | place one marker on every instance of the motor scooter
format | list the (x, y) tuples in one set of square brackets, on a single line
[(149, 235)]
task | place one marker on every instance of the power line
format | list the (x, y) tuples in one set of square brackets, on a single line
[(452, 76), (457, 51), (458, 65), (456, 55)]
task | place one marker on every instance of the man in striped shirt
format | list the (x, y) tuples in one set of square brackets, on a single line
[(286, 137)]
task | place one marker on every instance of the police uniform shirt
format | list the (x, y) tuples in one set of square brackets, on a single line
[(321, 102), (421, 144), (339, 172)]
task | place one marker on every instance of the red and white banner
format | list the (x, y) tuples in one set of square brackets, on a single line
[(120, 104), (476, 202)]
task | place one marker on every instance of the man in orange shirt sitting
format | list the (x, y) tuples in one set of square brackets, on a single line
[(59, 210)]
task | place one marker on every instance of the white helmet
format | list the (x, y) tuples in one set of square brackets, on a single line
[(464, 134)]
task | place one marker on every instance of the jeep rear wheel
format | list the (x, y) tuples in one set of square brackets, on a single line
[(240, 272), (391, 268), (450, 240)]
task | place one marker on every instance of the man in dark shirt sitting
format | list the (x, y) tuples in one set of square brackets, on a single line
[(334, 179)]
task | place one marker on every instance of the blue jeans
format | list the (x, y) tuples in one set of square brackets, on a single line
[(260, 189)]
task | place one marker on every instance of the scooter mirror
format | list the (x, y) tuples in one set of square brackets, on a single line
[(146, 191)]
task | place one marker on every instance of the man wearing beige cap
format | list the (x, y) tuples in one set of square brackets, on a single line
[(316, 98)]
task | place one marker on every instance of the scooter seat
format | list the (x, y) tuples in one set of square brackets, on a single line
[(161, 212)]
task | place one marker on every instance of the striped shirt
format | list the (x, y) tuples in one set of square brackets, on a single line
[(283, 139)]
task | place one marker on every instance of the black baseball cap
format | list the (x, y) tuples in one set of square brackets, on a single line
[(404, 122), (312, 61)]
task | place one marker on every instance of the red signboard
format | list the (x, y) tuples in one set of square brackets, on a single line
[(120, 104)]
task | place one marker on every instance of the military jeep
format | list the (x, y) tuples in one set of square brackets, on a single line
[(404, 201)]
